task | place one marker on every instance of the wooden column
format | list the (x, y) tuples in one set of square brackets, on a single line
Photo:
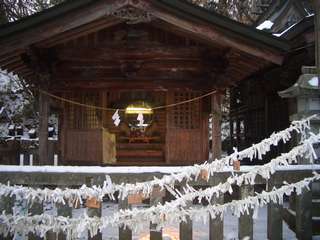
[(43, 129), (35, 208), (216, 125), (124, 233), (316, 6), (274, 217), (6, 204), (304, 215), (246, 221), (155, 198), (216, 225)]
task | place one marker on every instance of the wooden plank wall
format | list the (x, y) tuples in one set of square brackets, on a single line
[(187, 131)]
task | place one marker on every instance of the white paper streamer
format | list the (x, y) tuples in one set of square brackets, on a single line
[(140, 119), (116, 118), (137, 219), (167, 182)]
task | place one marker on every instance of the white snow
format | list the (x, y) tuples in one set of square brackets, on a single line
[(265, 25), (32, 131), (314, 82), (132, 169)]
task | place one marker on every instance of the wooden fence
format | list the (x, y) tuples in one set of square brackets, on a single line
[(40, 177)]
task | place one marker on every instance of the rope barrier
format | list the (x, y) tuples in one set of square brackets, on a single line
[(115, 109)]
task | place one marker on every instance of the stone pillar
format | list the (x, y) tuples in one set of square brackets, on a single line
[(66, 211), (216, 125), (155, 199), (124, 233), (185, 228), (43, 129), (304, 215), (93, 211), (246, 221), (216, 224), (274, 229), (6, 204), (35, 208)]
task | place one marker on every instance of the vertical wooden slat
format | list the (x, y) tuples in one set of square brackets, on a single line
[(274, 229), (245, 220), (43, 129), (124, 233)]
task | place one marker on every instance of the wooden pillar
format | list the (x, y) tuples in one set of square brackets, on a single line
[(124, 233), (216, 224), (274, 217), (245, 220), (35, 208), (304, 215), (316, 6), (216, 125), (6, 205), (43, 129), (155, 198)]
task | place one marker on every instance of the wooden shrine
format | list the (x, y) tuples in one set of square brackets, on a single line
[(113, 54)]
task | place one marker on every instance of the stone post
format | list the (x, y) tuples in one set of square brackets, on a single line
[(245, 220), (124, 233), (274, 217)]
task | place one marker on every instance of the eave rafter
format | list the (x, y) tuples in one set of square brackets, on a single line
[(101, 15)]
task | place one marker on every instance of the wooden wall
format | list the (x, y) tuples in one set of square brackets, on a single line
[(187, 130), (183, 129)]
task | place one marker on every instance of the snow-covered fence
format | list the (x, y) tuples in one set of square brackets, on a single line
[(131, 185), (75, 177)]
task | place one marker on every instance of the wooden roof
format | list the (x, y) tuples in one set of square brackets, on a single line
[(30, 43)]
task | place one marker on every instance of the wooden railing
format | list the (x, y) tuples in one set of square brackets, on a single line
[(76, 176)]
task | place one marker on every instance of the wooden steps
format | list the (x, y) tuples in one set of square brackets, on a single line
[(140, 154)]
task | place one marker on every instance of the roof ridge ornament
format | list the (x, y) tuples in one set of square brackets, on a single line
[(133, 15)]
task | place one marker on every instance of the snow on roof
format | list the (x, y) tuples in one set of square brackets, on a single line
[(265, 25), (286, 30)]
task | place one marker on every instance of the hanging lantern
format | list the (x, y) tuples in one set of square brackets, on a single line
[(139, 108)]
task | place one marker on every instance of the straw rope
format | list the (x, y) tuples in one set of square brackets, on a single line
[(115, 109)]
